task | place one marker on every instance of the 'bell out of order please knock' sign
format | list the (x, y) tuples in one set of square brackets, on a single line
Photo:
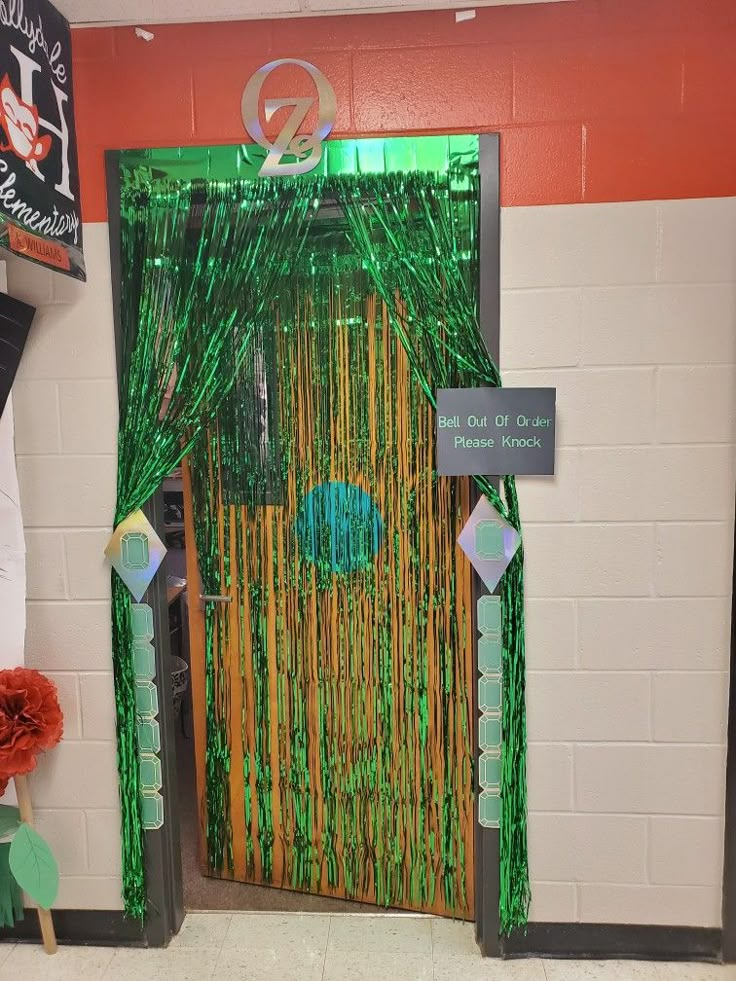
[(495, 431)]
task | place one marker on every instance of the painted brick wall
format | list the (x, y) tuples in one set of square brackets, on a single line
[(65, 400), (630, 311), (597, 100)]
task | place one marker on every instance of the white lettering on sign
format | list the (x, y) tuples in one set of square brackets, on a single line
[(53, 225), (28, 67), (13, 14)]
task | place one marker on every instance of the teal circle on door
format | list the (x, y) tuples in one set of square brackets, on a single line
[(339, 527)]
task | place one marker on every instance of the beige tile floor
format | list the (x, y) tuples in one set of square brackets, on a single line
[(313, 947)]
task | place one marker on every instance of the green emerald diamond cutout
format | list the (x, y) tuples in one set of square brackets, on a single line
[(141, 621), (489, 614), (489, 543), (149, 736), (490, 654), (489, 734), (489, 771), (150, 771), (152, 806), (489, 809), (489, 694), (146, 698), (134, 552), (144, 660)]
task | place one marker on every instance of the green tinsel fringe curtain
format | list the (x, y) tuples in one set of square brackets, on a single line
[(203, 266)]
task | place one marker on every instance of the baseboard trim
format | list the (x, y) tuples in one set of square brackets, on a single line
[(578, 941), (602, 941), (82, 927)]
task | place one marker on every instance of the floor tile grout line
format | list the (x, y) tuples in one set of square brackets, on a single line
[(222, 944), (327, 947), (109, 964)]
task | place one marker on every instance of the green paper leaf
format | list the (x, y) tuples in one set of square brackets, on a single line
[(34, 867), (9, 821)]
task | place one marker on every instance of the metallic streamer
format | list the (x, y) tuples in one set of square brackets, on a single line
[(202, 273), (370, 782), (194, 261), (431, 269)]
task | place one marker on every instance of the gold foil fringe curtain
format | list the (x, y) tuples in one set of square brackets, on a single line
[(340, 679), (204, 266)]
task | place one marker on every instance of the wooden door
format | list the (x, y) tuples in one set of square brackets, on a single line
[(342, 666)]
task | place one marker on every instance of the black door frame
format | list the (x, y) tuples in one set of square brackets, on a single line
[(162, 855), (728, 918), (487, 840), (163, 847)]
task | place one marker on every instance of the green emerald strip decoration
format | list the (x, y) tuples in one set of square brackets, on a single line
[(489, 809), (152, 809), (144, 660), (141, 618), (489, 614), (489, 771), (147, 728), (135, 552), (489, 694), (489, 542), (146, 698), (150, 772), (149, 736), (489, 733), (490, 654)]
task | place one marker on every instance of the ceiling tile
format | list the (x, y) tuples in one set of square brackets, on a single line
[(179, 11), (171, 11)]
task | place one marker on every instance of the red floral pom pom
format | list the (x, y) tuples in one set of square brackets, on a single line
[(31, 720)]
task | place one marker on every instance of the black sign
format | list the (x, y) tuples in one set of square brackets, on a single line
[(15, 322), (495, 431), (40, 217)]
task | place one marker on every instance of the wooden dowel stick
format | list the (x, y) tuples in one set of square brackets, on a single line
[(26, 814)]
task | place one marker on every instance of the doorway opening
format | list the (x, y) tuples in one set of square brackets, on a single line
[(321, 615)]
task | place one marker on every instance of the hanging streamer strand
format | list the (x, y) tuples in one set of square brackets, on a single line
[(196, 264), (357, 592)]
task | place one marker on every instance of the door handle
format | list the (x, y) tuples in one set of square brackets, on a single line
[(213, 599)]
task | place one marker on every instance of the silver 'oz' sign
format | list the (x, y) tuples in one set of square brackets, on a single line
[(307, 148)]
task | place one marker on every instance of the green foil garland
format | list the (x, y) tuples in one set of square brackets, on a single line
[(199, 273), (190, 282), (421, 219)]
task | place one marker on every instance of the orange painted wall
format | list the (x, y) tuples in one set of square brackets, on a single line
[(596, 100)]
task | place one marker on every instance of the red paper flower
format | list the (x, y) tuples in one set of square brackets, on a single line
[(31, 720)]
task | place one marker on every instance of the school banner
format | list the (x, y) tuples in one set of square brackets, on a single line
[(40, 216)]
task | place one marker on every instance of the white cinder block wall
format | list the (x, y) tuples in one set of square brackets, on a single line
[(65, 400), (630, 311)]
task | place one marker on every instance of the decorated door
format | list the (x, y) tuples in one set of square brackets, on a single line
[(333, 662)]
